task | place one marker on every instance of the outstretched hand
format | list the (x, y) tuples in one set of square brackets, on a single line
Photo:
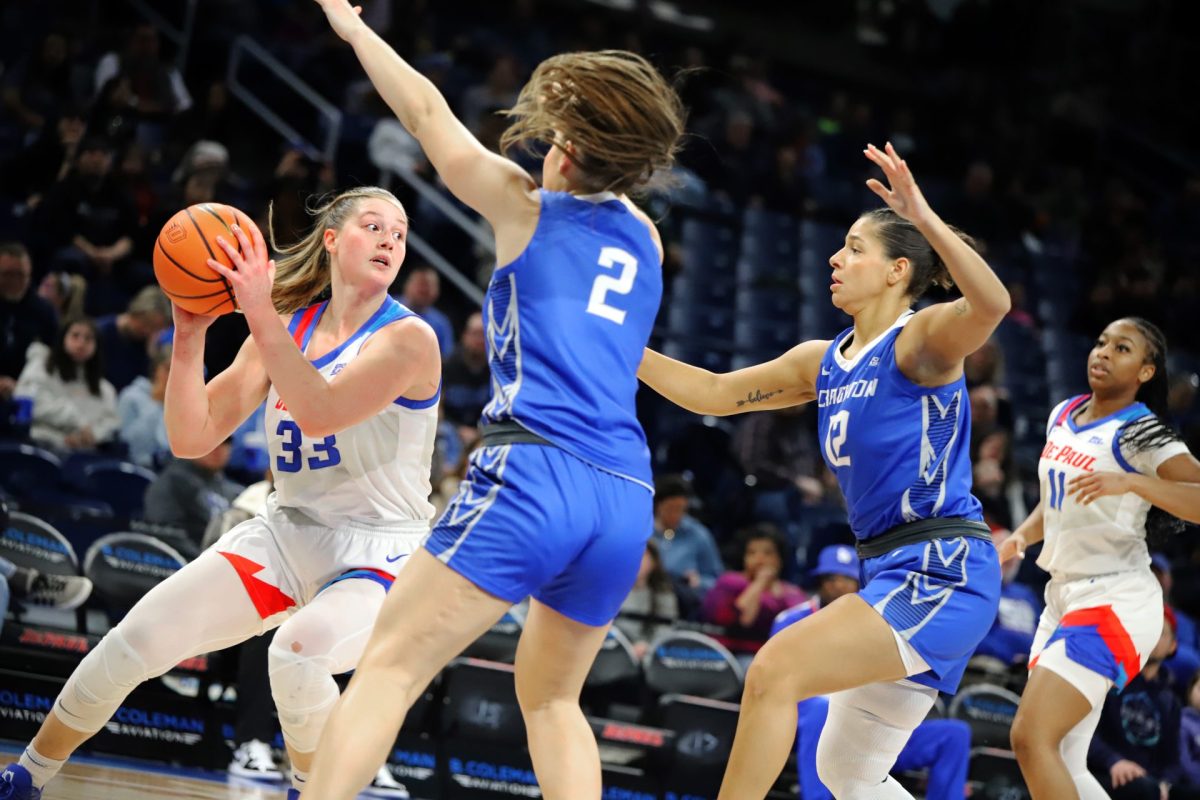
[(253, 272), (902, 194), (343, 18)]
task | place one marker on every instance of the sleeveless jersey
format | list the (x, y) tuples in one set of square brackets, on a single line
[(1109, 534), (901, 452), (374, 472), (566, 324)]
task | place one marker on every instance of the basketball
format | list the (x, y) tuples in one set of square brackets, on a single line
[(181, 256)]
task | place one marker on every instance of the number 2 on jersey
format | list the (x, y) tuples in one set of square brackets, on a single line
[(293, 441), (622, 284), (835, 437)]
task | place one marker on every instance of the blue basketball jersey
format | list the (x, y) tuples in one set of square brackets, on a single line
[(566, 324), (901, 452)]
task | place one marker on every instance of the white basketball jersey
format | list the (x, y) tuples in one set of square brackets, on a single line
[(1109, 534), (376, 471)]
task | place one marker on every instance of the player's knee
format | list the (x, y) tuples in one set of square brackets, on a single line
[(1027, 737), (769, 675)]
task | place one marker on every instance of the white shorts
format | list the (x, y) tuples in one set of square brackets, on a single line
[(1098, 632), (284, 558)]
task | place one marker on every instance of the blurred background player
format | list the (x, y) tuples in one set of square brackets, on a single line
[(1108, 458)]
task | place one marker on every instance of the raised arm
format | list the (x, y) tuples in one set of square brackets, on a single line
[(200, 417), (786, 381), (945, 333), (497, 188)]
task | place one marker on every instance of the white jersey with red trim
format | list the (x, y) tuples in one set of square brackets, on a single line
[(375, 472), (1109, 534)]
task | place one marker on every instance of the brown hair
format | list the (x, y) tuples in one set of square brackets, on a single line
[(621, 115), (901, 239), (302, 268)]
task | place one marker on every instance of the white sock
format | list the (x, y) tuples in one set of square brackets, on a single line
[(40, 767), (299, 779)]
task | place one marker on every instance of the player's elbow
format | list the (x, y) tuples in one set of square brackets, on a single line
[(314, 426), (995, 305), (185, 446)]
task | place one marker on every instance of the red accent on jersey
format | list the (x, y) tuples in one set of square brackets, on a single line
[(1115, 637), (305, 320), (267, 599)]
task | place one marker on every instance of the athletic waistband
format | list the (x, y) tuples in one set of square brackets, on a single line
[(510, 432), (923, 530)]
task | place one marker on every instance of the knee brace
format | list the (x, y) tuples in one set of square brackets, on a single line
[(865, 731), (304, 692), (100, 684)]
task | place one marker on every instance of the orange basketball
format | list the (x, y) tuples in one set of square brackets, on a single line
[(182, 251)]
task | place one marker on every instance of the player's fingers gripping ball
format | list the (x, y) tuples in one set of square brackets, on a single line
[(182, 251)]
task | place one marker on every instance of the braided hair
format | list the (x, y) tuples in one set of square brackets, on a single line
[(1151, 432)]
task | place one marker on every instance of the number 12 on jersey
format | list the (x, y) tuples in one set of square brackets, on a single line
[(327, 454), (835, 437)]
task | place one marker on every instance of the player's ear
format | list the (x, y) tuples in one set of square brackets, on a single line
[(330, 240)]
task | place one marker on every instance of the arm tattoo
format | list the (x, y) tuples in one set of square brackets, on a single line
[(961, 306), (758, 396)]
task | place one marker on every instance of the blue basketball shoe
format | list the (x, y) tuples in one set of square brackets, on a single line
[(17, 784), (293, 794)]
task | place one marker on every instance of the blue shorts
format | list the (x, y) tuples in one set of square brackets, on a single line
[(535, 520), (942, 596)]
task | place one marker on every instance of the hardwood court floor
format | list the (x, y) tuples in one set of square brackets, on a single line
[(91, 781), (91, 778)]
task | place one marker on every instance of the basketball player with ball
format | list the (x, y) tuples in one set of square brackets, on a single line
[(351, 386)]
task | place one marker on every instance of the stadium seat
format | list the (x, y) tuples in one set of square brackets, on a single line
[(124, 566), (499, 643), (989, 710), (30, 542), (26, 470), (770, 250), (687, 662), (615, 663), (120, 484), (703, 739)]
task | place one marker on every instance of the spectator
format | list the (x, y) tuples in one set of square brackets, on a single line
[(466, 385), (46, 161), (776, 447), (941, 746), (25, 318), (689, 552), (188, 493), (1185, 661), (1135, 752), (499, 90), (1189, 735), (1011, 636), (651, 606), (65, 294), (158, 89), (421, 291), (90, 222), (126, 338), (36, 86), (27, 585), (746, 602), (140, 407), (74, 407)]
